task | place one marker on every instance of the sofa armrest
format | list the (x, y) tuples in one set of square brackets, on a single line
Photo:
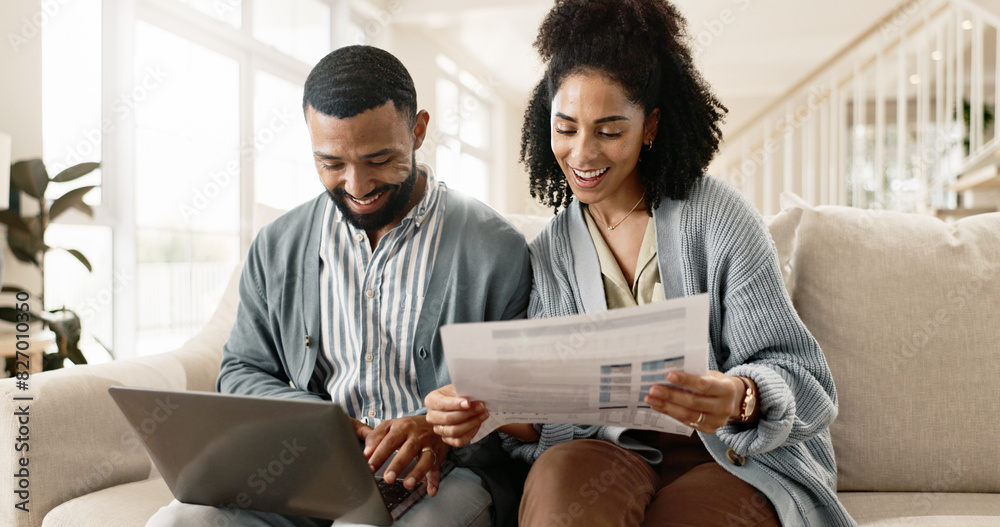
[(200, 356), (78, 441)]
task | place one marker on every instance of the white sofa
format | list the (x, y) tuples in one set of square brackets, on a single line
[(907, 309)]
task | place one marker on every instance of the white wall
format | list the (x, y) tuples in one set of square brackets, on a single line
[(519, 201), (21, 23), (993, 6)]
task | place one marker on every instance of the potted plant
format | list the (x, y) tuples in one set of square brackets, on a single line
[(26, 240)]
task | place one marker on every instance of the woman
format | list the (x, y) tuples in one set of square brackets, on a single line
[(618, 135)]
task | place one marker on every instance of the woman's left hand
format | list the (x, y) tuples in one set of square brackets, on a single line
[(715, 396)]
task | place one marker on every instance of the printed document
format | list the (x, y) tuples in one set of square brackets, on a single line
[(590, 369)]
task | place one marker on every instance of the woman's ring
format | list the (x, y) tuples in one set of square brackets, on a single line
[(701, 419)]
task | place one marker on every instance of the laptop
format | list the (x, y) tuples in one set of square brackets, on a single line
[(271, 454)]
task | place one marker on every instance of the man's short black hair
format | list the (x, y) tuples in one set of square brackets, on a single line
[(353, 79)]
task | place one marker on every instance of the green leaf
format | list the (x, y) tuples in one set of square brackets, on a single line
[(24, 256), (27, 240), (70, 200), (13, 221), (84, 208), (81, 257), (43, 316), (66, 325), (75, 171), (9, 314), (30, 177), (25, 246)]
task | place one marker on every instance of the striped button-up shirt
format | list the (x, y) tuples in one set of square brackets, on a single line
[(370, 302)]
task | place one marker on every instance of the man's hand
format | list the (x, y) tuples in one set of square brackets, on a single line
[(410, 436)]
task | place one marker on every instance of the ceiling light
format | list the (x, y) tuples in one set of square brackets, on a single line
[(936, 55), (914, 79), (967, 25)]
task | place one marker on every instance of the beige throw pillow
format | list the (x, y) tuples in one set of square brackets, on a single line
[(907, 310)]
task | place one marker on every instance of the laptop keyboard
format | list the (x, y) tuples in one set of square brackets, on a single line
[(396, 496), (394, 493)]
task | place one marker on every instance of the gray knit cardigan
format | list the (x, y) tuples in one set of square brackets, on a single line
[(716, 242)]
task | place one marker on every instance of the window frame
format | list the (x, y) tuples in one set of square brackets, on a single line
[(483, 154), (117, 210)]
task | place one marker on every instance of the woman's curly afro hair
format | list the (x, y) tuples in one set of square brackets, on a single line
[(641, 44)]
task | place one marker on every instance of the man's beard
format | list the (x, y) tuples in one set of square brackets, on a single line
[(396, 204)]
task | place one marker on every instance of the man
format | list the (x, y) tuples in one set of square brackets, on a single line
[(342, 297)]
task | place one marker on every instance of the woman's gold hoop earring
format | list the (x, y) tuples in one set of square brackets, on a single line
[(649, 148)]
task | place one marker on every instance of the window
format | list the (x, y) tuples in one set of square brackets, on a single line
[(206, 123), (196, 118), (462, 152), (284, 172), (300, 28), (228, 11), (187, 184), (73, 132)]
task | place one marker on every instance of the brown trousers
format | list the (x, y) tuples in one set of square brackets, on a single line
[(595, 483)]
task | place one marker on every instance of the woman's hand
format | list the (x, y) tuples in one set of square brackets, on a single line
[(713, 399), (455, 419)]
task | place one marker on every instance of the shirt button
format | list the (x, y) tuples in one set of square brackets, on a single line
[(359, 237), (369, 293), (368, 357), (735, 458), (371, 413)]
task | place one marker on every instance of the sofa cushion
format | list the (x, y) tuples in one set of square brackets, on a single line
[(782, 227), (907, 310), (200, 356), (922, 509), (105, 508), (528, 225)]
